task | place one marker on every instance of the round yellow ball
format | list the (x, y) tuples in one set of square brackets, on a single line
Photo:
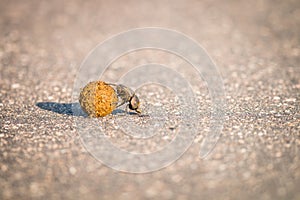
[(98, 99)]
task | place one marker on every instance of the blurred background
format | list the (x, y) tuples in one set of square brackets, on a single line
[(255, 46)]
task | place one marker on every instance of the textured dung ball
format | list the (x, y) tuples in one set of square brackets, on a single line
[(98, 99)]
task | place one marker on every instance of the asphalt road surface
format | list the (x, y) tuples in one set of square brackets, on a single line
[(256, 46)]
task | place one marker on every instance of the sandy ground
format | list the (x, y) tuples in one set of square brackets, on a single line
[(256, 48)]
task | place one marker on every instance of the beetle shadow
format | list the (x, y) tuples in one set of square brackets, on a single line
[(72, 109)]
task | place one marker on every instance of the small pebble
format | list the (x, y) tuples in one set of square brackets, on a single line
[(290, 100), (276, 98), (72, 170), (15, 85)]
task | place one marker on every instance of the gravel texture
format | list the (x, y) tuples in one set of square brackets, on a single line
[(256, 46)]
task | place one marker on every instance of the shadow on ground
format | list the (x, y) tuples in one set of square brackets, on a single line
[(72, 109)]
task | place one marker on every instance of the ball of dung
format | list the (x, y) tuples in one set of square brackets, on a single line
[(98, 99)]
